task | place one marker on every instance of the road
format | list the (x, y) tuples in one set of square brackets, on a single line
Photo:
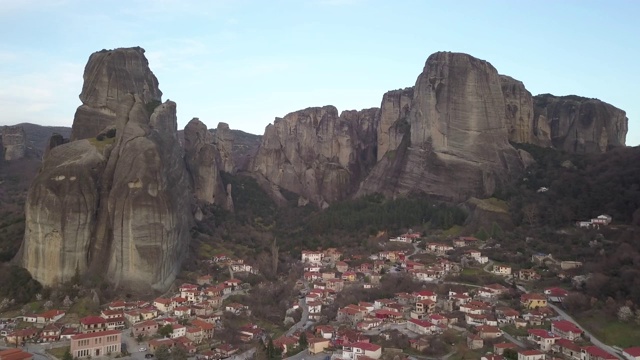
[(595, 341), (304, 355), (305, 314)]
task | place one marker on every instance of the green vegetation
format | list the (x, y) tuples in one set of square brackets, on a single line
[(610, 330), (61, 352), (18, 284), (101, 143)]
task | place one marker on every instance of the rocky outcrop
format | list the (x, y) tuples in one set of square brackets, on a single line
[(224, 140), (14, 142), (117, 205), (202, 156), (456, 142), (55, 140), (522, 125), (109, 76), (581, 125), (318, 154), (394, 111)]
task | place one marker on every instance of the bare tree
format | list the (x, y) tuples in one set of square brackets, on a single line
[(530, 214)]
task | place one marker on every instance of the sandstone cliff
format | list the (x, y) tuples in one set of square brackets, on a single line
[(202, 157), (224, 139), (117, 205), (14, 142), (522, 125), (318, 154), (581, 125), (108, 77), (393, 122), (455, 144)]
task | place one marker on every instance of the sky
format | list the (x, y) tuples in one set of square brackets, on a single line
[(246, 62)]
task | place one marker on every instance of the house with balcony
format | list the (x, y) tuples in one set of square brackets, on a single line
[(357, 350)]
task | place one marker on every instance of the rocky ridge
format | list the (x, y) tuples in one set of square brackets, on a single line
[(114, 203), (581, 125), (448, 136)]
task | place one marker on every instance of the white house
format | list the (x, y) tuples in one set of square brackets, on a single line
[(312, 256), (358, 349)]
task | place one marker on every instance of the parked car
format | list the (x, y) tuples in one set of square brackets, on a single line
[(143, 349), (148, 356)]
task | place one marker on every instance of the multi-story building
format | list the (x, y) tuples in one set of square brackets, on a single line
[(96, 344)]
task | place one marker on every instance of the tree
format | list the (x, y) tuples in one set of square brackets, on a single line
[(179, 353), (510, 354), (139, 338), (302, 341), (162, 353), (165, 331), (530, 214), (625, 313), (67, 355)]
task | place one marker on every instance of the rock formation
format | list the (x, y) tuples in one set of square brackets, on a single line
[(456, 140), (224, 140), (117, 205), (108, 77), (55, 140), (202, 157), (14, 142), (522, 125), (581, 125), (318, 154), (393, 119)]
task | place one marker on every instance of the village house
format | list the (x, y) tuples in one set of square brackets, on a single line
[(566, 330), (556, 294), (488, 332), (22, 335), (568, 265), (91, 324), (236, 308), (115, 319), (349, 276), (342, 266), (533, 300), (162, 304), (312, 267), (542, 338), (359, 349), (503, 270), (527, 275), (568, 348), (424, 307), (475, 320), (422, 327), (369, 324), (312, 256), (474, 342), (249, 332), (96, 344), (439, 248), (596, 353), (204, 280), (68, 333), (154, 344), (15, 354), (476, 255), (420, 343), (178, 331), (332, 254), (531, 355), (50, 316), (145, 328), (325, 331), (317, 345), (492, 291), (463, 241), (51, 333), (501, 347), (632, 353), (241, 267)]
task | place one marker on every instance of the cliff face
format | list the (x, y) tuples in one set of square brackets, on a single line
[(581, 125), (109, 76), (14, 142), (394, 112), (318, 154), (117, 205), (522, 125), (455, 143)]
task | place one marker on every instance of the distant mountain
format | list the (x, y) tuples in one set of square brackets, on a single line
[(38, 136)]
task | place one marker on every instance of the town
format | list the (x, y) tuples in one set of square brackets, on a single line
[(410, 300)]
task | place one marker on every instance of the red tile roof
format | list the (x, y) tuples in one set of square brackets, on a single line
[(596, 351), (566, 326), (92, 320), (96, 334), (365, 346), (633, 351)]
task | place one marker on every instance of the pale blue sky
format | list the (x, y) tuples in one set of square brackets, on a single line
[(246, 62)]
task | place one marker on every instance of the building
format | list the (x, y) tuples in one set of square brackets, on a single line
[(533, 300), (15, 354), (96, 344), (531, 355), (502, 270), (317, 345), (474, 342), (543, 338), (632, 353), (359, 349), (312, 256), (145, 328), (489, 332), (566, 330), (556, 294), (422, 327), (595, 353)]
